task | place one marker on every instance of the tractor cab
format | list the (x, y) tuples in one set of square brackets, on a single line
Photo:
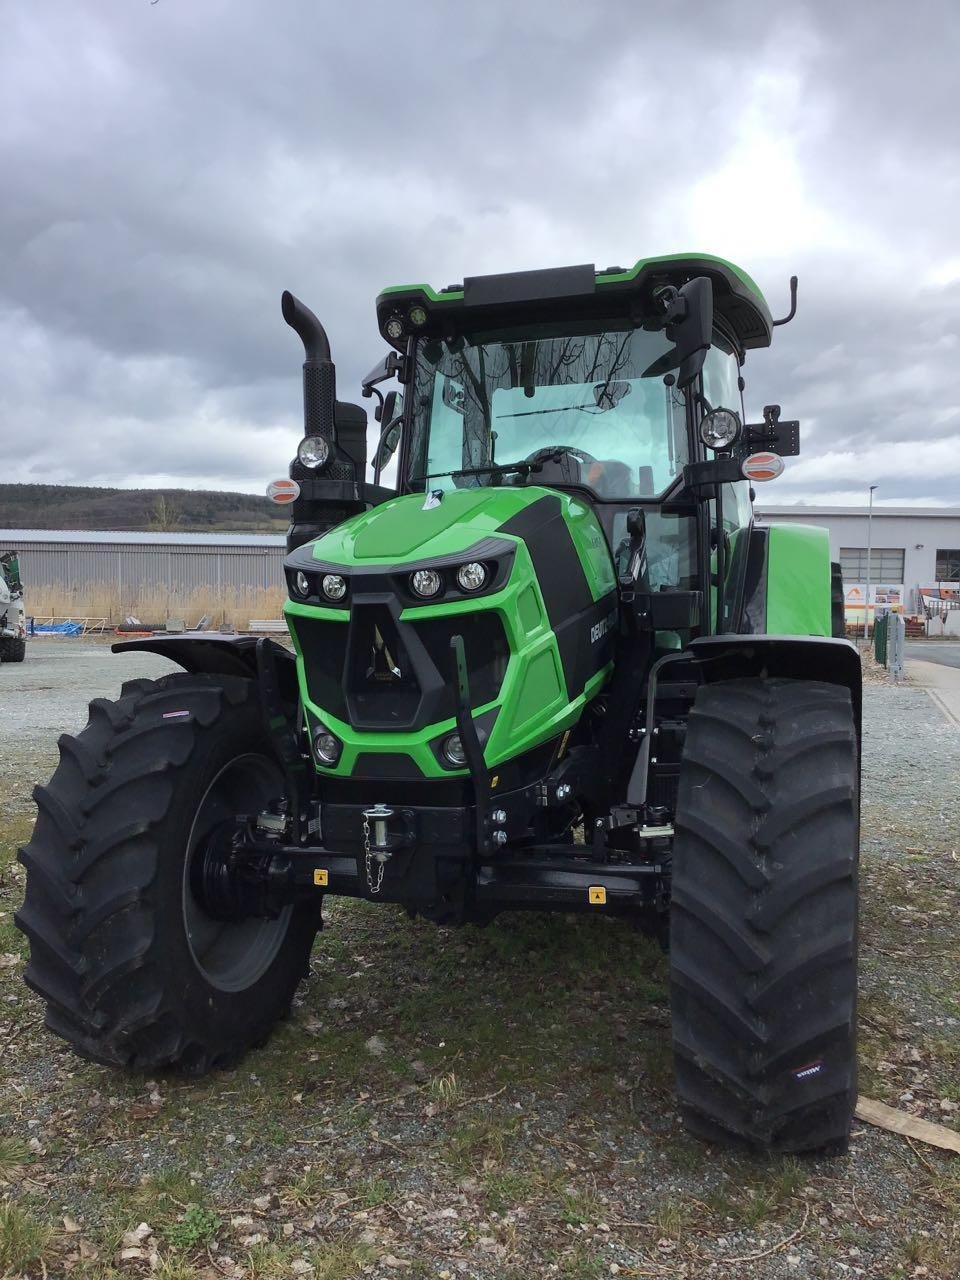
[(620, 387)]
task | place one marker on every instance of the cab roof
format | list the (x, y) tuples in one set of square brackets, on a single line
[(583, 292)]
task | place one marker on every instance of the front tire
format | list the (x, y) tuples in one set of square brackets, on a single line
[(764, 915), (133, 970), (13, 650)]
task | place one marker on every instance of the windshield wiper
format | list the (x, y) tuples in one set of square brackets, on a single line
[(563, 408), (523, 468)]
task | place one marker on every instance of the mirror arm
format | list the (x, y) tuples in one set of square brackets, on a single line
[(793, 303), (390, 366)]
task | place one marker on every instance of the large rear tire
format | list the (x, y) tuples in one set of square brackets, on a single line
[(763, 948), (133, 970)]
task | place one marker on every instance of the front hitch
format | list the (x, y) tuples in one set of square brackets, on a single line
[(470, 739)]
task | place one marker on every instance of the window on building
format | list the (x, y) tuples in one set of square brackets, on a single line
[(948, 565), (886, 564)]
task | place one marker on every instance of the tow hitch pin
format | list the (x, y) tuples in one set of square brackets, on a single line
[(378, 816)]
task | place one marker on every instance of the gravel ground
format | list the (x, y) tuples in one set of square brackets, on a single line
[(493, 1104)]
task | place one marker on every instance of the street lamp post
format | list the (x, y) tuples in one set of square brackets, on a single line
[(866, 615)]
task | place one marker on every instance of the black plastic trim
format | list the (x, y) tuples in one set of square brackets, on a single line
[(753, 611)]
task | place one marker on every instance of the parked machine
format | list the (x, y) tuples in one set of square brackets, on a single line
[(554, 665), (13, 619)]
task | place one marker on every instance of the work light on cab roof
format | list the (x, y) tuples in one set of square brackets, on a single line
[(544, 658)]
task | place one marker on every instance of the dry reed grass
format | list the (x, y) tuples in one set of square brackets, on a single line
[(97, 600)]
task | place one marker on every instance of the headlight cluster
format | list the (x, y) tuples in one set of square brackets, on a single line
[(425, 584), (333, 586), (428, 583)]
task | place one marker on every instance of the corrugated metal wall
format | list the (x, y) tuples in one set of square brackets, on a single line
[(130, 569)]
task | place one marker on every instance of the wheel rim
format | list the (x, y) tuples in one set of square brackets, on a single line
[(232, 954)]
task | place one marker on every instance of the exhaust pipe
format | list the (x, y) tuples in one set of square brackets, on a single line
[(319, 371)]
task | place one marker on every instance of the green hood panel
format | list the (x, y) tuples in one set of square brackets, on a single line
[(555, 620), (401, 531)]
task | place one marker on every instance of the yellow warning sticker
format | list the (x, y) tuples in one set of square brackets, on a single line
[(597, 894), (321, 876)]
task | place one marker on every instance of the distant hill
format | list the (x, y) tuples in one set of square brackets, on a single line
[(56, 506)]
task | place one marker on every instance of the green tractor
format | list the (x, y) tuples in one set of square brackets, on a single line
[(546, 660)]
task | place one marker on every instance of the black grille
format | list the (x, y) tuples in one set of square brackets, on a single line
[(324, 647), (378, 673), (486, 649), (383, 688)]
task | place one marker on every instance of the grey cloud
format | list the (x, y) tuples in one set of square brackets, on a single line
[(169, 168)]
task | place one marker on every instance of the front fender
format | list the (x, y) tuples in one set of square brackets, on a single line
[(730, 657), (216, 654)]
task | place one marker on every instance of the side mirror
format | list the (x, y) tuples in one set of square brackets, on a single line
[(688, 312), (391, 418)]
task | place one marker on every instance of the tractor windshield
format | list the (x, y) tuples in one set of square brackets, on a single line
[(587, 408)]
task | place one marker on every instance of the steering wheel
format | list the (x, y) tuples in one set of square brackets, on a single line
[(585, 459)]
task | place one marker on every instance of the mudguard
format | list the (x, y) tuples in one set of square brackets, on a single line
[(731, 657), (211, 653)]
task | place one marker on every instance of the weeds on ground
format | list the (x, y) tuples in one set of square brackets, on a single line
[(197, 1227), (23, 1240)]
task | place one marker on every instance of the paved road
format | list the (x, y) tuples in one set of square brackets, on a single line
[(945, 653)]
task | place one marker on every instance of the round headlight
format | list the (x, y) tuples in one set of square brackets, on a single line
[(313, 451), (453, 751), (301, 583), (394, 328), (334, 587), (417, 316), (326, 746), (426, 582), (472, 576), (719, 428)]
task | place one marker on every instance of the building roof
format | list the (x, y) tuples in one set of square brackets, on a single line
[(913, 513), (119, 538)]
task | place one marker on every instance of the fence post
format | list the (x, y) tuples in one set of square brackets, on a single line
[(880, 627), (897, 628)]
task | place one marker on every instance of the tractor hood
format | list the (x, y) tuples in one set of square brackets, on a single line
[(374, 657), (417, 528)]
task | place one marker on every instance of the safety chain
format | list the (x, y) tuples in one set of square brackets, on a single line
[(379, 814)]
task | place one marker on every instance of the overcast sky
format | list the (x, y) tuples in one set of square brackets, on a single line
[(168, 168)]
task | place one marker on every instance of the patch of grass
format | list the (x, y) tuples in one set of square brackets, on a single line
[(446, 1090), (175, 1269), (14, 1154), (673, 1217), (472, 1143), (309, 1187), (197, 1227), (507, 1188), (23, 1240), (580, 1264), (581, 1205), (332, 1260), (377, 1191)]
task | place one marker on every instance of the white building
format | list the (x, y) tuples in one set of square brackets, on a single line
[(915, 552)]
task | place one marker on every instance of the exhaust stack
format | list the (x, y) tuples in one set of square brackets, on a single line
[(319, 371)]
